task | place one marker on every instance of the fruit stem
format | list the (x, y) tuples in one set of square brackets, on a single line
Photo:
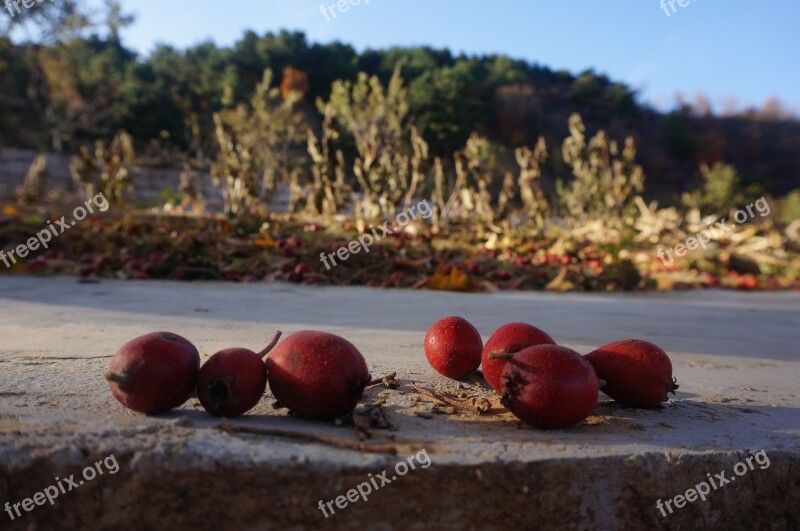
[(118, 378), (500, 356), (263, 353)]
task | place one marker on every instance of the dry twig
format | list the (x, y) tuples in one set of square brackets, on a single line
[(227, 427)]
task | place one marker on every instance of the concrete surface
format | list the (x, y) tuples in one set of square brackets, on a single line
[(736, 357)]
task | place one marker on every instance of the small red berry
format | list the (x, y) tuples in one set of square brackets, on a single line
[(154, 373), (509, 339), (549, 386), (453, 347), (233, 380), (636, 373), (317, 375)]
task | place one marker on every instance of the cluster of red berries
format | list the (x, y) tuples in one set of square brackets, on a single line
[(314, 374), (544, 384), (322, 376)]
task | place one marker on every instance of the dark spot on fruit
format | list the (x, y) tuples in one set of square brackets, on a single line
[(220, 392), (511, 387)]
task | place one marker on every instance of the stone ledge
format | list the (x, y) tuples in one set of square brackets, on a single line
[(734, 354)]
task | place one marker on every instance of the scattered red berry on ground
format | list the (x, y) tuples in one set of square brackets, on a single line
[(636, 373), (317, 375), (233, 380), (549, 386), (154, 373), (453, 347), (509, 339)]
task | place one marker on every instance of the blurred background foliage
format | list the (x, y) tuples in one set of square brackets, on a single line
[(71, 81), (506, 152)]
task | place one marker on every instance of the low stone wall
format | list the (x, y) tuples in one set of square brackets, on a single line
[(14, 163), (735, 355), (149, 181)]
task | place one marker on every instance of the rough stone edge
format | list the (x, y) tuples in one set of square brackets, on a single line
[(613, 492)]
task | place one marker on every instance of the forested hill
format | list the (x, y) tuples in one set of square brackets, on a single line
[(62, 95)]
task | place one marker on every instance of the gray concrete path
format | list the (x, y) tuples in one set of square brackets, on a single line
[(736, 356)]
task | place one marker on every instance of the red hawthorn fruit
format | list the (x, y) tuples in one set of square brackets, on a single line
[(233, 380), (747, 282), (549, 386), (317, 375), (453, 347), (509, 339), (89, 271), (474, 268), (154, 373), (636, 373), (505, 274), (230, 276), (37, 265), (302, 269)]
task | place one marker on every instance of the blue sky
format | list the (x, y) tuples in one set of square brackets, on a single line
[(725, 48)]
